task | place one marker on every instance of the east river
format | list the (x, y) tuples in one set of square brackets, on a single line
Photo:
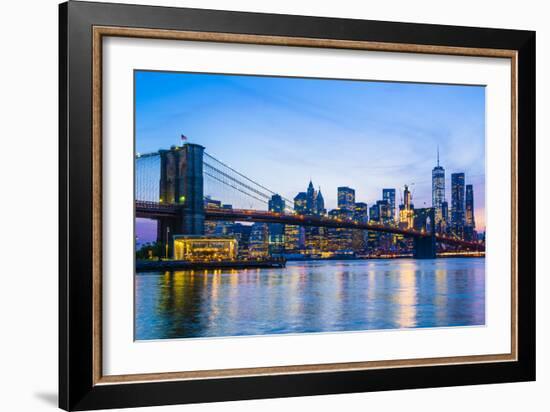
[(311, 296)]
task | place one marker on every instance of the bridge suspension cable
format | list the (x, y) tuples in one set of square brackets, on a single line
[(221, 182), (147, 177), (225, 174)]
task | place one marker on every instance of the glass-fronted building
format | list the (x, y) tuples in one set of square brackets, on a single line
[(346, 198), (457, 204)]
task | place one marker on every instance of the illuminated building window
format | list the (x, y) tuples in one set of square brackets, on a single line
[(205, 248)]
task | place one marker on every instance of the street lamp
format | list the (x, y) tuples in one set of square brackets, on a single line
[(167, 239)]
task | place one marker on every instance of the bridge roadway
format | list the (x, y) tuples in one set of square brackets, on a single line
[(153, 210)]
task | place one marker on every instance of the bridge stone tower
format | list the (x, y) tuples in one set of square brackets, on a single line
[(425, 247), (182, 183)]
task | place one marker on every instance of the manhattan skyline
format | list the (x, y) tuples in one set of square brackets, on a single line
[(286, 131)]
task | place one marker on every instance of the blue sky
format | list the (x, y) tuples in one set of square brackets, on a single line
[(284, 131)]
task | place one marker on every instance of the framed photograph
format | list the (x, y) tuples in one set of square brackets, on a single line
[(256, 205)]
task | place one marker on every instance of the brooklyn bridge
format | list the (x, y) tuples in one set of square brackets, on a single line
[(170, 188)]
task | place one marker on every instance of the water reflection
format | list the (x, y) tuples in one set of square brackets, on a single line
[(316, 296)]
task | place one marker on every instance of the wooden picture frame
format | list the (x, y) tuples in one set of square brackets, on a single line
[(83, 25)]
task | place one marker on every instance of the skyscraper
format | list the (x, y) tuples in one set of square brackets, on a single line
[(470, 219), (276, 204), (300, 203), (438, 194), (361, 212), (372, 236), (445, 213), (406, 212), (320, 203), (360, 237), (457, 204), (469, 223), (310, 200), (389, 196), (374, 213), (295, 235), (407, 198), (346, 198), (384, 210)]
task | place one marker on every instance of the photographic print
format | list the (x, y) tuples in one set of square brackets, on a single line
[(282, 205), (321, 183)]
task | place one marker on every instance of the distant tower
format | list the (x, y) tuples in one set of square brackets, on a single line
[(389, 196), (470, 219), (438, 193), (457, 204), (310, 202), (346, 198), (361, 212), (320, 203), (469, 222), (300, 203), (276, 204), (445, 212), (384, 210), (407, 197), (406, 212)]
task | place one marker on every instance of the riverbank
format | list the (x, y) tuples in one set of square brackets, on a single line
[(156, 265), (404, 256)]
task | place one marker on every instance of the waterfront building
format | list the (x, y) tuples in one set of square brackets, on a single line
[(258, 246), (316, 240), (346, 198), (294, 239), (295, 236), (457, 204), (205, 248), (340, 239), (385, 240), (387, 217), (373, 237), (469, 218), (389, 196), (276, 230), (242, 234), (438, 194), (360, 237)]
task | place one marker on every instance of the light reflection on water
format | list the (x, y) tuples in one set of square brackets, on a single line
[(315, 296)]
